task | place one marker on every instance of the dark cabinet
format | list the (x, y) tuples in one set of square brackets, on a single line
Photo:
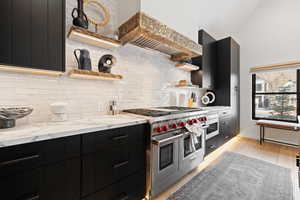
[(44, 170), (111, 156), (131, 188), (104, 165), (61, 181), (205, 77), (33, 34), (228, 79)]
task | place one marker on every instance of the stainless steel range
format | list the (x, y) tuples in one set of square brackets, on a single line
[(174, 150)]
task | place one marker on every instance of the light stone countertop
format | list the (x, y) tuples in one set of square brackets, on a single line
[(44, 131), (215, 108)]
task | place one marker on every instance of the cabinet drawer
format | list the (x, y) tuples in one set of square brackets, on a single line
[(225, 113), (131, 188), (112, 138), (53, 182), (23, 185), (106, 167), (19, 158), (28, 156)]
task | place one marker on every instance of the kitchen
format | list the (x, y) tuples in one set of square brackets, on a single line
[(44, 78)]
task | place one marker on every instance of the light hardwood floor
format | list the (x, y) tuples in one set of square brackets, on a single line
[(274, 153)]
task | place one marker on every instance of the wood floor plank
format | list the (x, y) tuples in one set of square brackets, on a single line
[(271, 152)]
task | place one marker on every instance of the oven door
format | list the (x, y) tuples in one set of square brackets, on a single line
[(213, 128), (189, 159), (165, 161)]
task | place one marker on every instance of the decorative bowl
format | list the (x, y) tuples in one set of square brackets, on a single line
[(8, 116)]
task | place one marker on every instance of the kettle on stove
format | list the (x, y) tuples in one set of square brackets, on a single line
[(84, 60)]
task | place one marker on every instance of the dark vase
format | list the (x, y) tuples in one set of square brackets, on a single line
[(84, 60), (81, 19)]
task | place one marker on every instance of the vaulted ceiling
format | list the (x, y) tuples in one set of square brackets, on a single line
[(220, 18)]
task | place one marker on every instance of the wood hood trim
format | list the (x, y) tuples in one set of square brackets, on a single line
[(277, 66), (146, 32)]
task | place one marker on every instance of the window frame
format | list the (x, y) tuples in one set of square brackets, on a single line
[(297, 93)]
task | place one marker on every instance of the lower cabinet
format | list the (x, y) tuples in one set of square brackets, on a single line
[(227, 130), (58, 181), (116, 155), (130, 188), (61, 181), (106, 165)]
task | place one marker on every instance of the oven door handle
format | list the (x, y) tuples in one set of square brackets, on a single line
[(158, 142), (205, 127)]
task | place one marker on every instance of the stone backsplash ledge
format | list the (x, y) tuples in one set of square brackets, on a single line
[(148, 77)]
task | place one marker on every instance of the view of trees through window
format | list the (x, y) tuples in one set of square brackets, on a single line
[(275, 95)]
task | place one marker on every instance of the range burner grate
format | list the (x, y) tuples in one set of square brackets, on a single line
[(148, 112)]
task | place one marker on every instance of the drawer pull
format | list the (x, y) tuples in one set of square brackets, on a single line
[(121, 137), (12, 162), (212, 146), (36, 197), (126, 197), (121, 164)]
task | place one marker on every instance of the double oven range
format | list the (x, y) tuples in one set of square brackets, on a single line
[(171, 155)]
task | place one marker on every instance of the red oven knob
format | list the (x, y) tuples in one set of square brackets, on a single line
[(195, 121), (190, 122), (174, 126), (164, 128), (181, 124), (205, 118), (157, 129)]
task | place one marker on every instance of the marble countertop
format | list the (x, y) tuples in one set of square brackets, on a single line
[(216, 109), (44, 131)]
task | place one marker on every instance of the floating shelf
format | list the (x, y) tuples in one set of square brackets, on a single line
[(84, 74), (187, 86), (187, 67), (91, 38), (25, 70)]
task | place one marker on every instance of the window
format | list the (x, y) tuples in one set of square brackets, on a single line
[(275, 95)]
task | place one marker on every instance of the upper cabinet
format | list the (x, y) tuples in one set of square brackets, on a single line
[(32, 34), (205, 77)]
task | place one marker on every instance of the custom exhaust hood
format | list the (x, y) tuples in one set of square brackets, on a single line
[(147, 32)]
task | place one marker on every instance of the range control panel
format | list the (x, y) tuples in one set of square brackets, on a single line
[(174, 124)]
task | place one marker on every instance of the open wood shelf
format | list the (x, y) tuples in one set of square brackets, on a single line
[(26, 70), (84, 74), (187, 86), (187, 67), (91, 38)]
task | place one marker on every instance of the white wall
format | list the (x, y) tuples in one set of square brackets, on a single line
[(271, 35), (147, 79), (219, 18)]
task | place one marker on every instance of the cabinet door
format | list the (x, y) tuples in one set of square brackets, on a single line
[(131, 188), (112, 155), (56, 35), (32, 34), (21, 32), (5, 31), (61, 181), (22, 185), (39, 33), (208, 60)]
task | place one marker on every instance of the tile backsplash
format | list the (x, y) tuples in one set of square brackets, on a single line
[(148, 80)]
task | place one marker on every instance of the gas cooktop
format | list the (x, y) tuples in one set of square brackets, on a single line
[(161, 111)]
